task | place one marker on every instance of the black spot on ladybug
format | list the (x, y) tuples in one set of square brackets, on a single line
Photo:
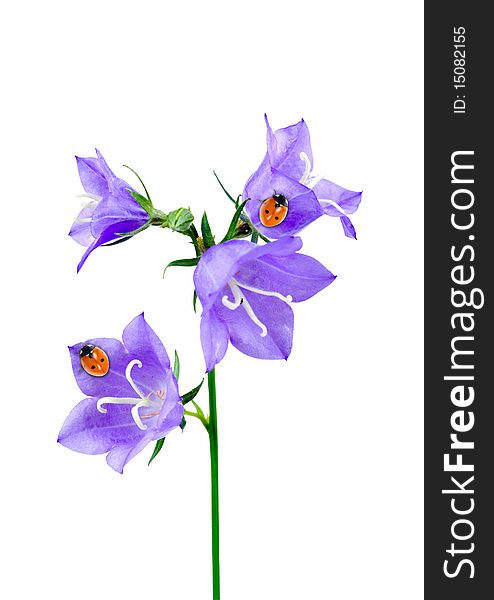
[(273, 209), (94, 360)]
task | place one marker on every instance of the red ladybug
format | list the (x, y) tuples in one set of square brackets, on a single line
[(94, 360), (273, 210)]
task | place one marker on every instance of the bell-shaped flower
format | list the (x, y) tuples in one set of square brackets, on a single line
[(286, 172), (132, 395), (110, 210), (246, 292)]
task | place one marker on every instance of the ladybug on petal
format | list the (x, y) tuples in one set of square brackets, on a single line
[(273, 210), (94, 360)]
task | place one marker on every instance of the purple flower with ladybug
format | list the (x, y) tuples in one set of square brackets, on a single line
[(246, 287), (284, 195), (132, 395)]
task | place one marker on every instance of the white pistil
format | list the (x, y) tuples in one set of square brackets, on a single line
[(128, 375), (90, 196), (239, 299), (237, 296), (314, 181), (137, 402), (286, 299), (336, 205), (305, 176)]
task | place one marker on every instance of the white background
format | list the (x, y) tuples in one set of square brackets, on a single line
[(321, 457)]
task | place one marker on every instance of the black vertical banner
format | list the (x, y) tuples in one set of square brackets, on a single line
[(459, 270)]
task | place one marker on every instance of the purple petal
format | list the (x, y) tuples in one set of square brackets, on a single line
[(259, 183), (296, 275), (303, 207), (348, 227), (120, 455), (285, 146), (142, 343), (219, 264), (172, 404), (140, 339), (81, 228), (114, 382), (347, 199), (214, 339), (108, 235), (118, 208), (89, 431), (92, 178), (245, 335)]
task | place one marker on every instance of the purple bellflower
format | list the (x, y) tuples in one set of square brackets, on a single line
[(287, 170), (135, 402), (110, 211), (246, 291)]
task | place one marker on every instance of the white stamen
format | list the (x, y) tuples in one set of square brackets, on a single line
[(90, 196), (129, 377), (111, 400), (135, 414), (137, 402), (240, 299), (286, 299), (253, 317), (336, 205), (313, 181), (237, 297), (85, 220), (305, 176)]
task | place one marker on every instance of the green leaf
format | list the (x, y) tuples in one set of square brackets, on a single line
[(176, 366), (157, 449), (182, 262), (142, 182), (183, 424), (143, 202), (180, 220), (194, 301), (224, 189), (207, 235), (192, 394), (233, 224)]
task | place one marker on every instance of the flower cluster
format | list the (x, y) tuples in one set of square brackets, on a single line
[(246, 290)]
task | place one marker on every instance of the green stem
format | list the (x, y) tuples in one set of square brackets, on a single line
[(215, 512)]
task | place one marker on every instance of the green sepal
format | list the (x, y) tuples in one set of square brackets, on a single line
[(141, 181), (254, 237), (182, 262), (183, 424), (230, 234), (157, 449), (176, 366), (207, 235), (180, 220), (194, 301), (143, 202), (192, 394), (224, 189)]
